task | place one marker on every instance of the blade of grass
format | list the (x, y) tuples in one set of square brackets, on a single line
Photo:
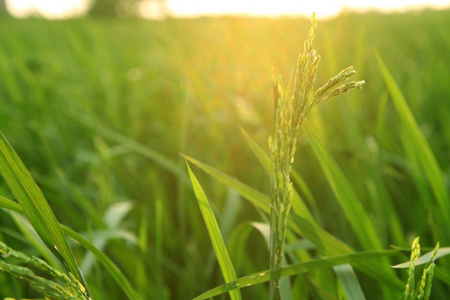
[(236, 244), (112, 269), (295, 269), (226, 223), (311, 231), (347, 198), (262, 156), (10, 205), (331, 245), (30, 234), (424, 258), (349, 281), (36, 207), (256, 197), (214, 233), (418, 142)]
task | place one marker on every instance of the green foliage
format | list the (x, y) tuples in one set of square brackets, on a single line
[(214, 233), (98, 110), (346, 196), (293, 269), (420, 146), (36, 207), (100, 256)]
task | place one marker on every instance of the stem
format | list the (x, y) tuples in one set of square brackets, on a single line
[(274, 281)]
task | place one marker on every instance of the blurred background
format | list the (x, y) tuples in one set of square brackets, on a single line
[(98, 98), (159, 9)]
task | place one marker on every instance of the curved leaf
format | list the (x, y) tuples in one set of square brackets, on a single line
[(295, 269), (419, 144), (324, 241), (214, 233), (424, 258), (344, 192), (36, 207), (349, 281), (115, 273)]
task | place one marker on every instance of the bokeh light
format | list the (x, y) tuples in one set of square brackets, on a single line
[(47, 8)]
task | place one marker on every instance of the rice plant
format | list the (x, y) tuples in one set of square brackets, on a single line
[(98, 123), (292, 106)]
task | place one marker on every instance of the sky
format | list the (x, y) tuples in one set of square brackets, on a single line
[(188, 8)]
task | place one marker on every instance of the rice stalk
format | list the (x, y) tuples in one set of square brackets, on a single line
[(67, 287), (423, 290), (292, 105)]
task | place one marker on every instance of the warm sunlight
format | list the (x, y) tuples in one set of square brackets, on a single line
[(323, 8), (182, 8), (50, 9), (224, 149)]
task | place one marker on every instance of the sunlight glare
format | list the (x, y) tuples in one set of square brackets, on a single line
[(50, 9), (323, 8), (155, 9), (268, 8)]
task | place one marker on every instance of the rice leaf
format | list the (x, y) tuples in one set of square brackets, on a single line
[(112, 269), (352, 208), (418, 142), (349, 281), (214, 233), (295, 269), (262, 156), (10, 205), (226, 223), (256, 197), (36, 207), (237, 240), (347, 198), (331, 245), (424, 258), (259, 199), (31, 236), (324, 241)]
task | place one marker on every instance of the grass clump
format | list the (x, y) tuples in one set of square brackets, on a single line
[(292, 105)]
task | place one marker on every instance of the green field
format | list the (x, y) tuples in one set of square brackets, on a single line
[(99, 110)]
